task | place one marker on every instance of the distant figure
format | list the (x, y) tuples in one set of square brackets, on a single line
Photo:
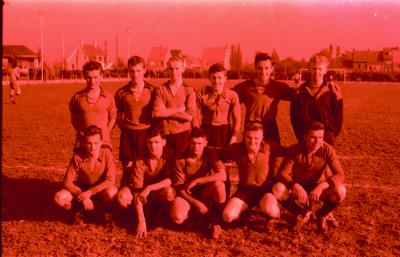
[(199, 177), (261, 96), (296, 79), (217, 104), (149, 186), (14, 73), (175, 106), (90, 177), (92, 105), (318, 100), (134, 103), (311, 173)]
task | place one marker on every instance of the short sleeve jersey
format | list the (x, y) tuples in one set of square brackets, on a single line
[(187, 168), (184, 97), (143, 175), (137, 113), (308, 171), (253, 174), (99, 113), (215, 109), (262, 102)]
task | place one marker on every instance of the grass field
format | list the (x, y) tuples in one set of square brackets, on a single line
[(37, 144)]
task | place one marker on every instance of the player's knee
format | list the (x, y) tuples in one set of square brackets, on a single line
[(339, 193), (179, 210), (229, 215), (109, 193), (280, 191), (168, 194), (124, 197), (269, 205), (63, 198)]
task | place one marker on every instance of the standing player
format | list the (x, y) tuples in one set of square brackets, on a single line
[(134, 103), (14, 73), (150, 181), (304, 177), (253, 158), (318, 100), (175, 106), (261, 96), (216, 104), (199, 177), (92, 105), (90, 175)]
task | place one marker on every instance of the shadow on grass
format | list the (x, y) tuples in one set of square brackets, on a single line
[(29, 199)]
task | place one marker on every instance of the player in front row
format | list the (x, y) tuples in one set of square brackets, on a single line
[(199, 178), (216, 104), (90, 176), (92, 105), (304, 176), (253, 158), (134, 103), (150, 181), (175, 106)]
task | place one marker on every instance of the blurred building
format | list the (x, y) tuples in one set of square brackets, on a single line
[(25, 58), (85, 53), (213, 55)]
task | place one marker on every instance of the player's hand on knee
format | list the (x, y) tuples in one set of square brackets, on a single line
[(141, 230), (88, 204), (301, 194), (201, 208), (317, 191), (85, 195), (142, 196)]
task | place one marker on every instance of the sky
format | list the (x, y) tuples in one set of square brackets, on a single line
[(294, 28)]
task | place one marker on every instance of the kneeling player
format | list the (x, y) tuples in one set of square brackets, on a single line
[(311, 172), (150, 180), (90, 176), (253, 158), (199, 177)]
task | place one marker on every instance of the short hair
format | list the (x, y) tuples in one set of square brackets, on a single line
[(92, 65), (135, 60), (253, 126), (176, 58), (216, 67), (154, 132), (262, 57), (319, 59), (198, 132), (314, 125), (93, 130)]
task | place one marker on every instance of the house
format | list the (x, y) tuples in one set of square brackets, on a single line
[(391, 58), (213, 55), (85, 53), (368, 61), (25, 57), (158, 57)]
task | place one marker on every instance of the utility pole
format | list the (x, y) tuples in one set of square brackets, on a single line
[(41, 37)]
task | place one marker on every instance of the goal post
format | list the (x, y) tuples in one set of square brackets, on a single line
[(334, 72)]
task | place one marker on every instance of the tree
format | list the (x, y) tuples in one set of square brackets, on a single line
[(274, 56), (235, 58)]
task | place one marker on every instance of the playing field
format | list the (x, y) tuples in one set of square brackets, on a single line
[(37, 144)]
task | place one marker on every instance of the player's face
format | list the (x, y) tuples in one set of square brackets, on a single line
[(93, 79), (253, 140), (217, 81), (176, 69), (197, 145), (264, 70), (155, 145), (93, 145), (318, 71), (136, 73), (313, 140)]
